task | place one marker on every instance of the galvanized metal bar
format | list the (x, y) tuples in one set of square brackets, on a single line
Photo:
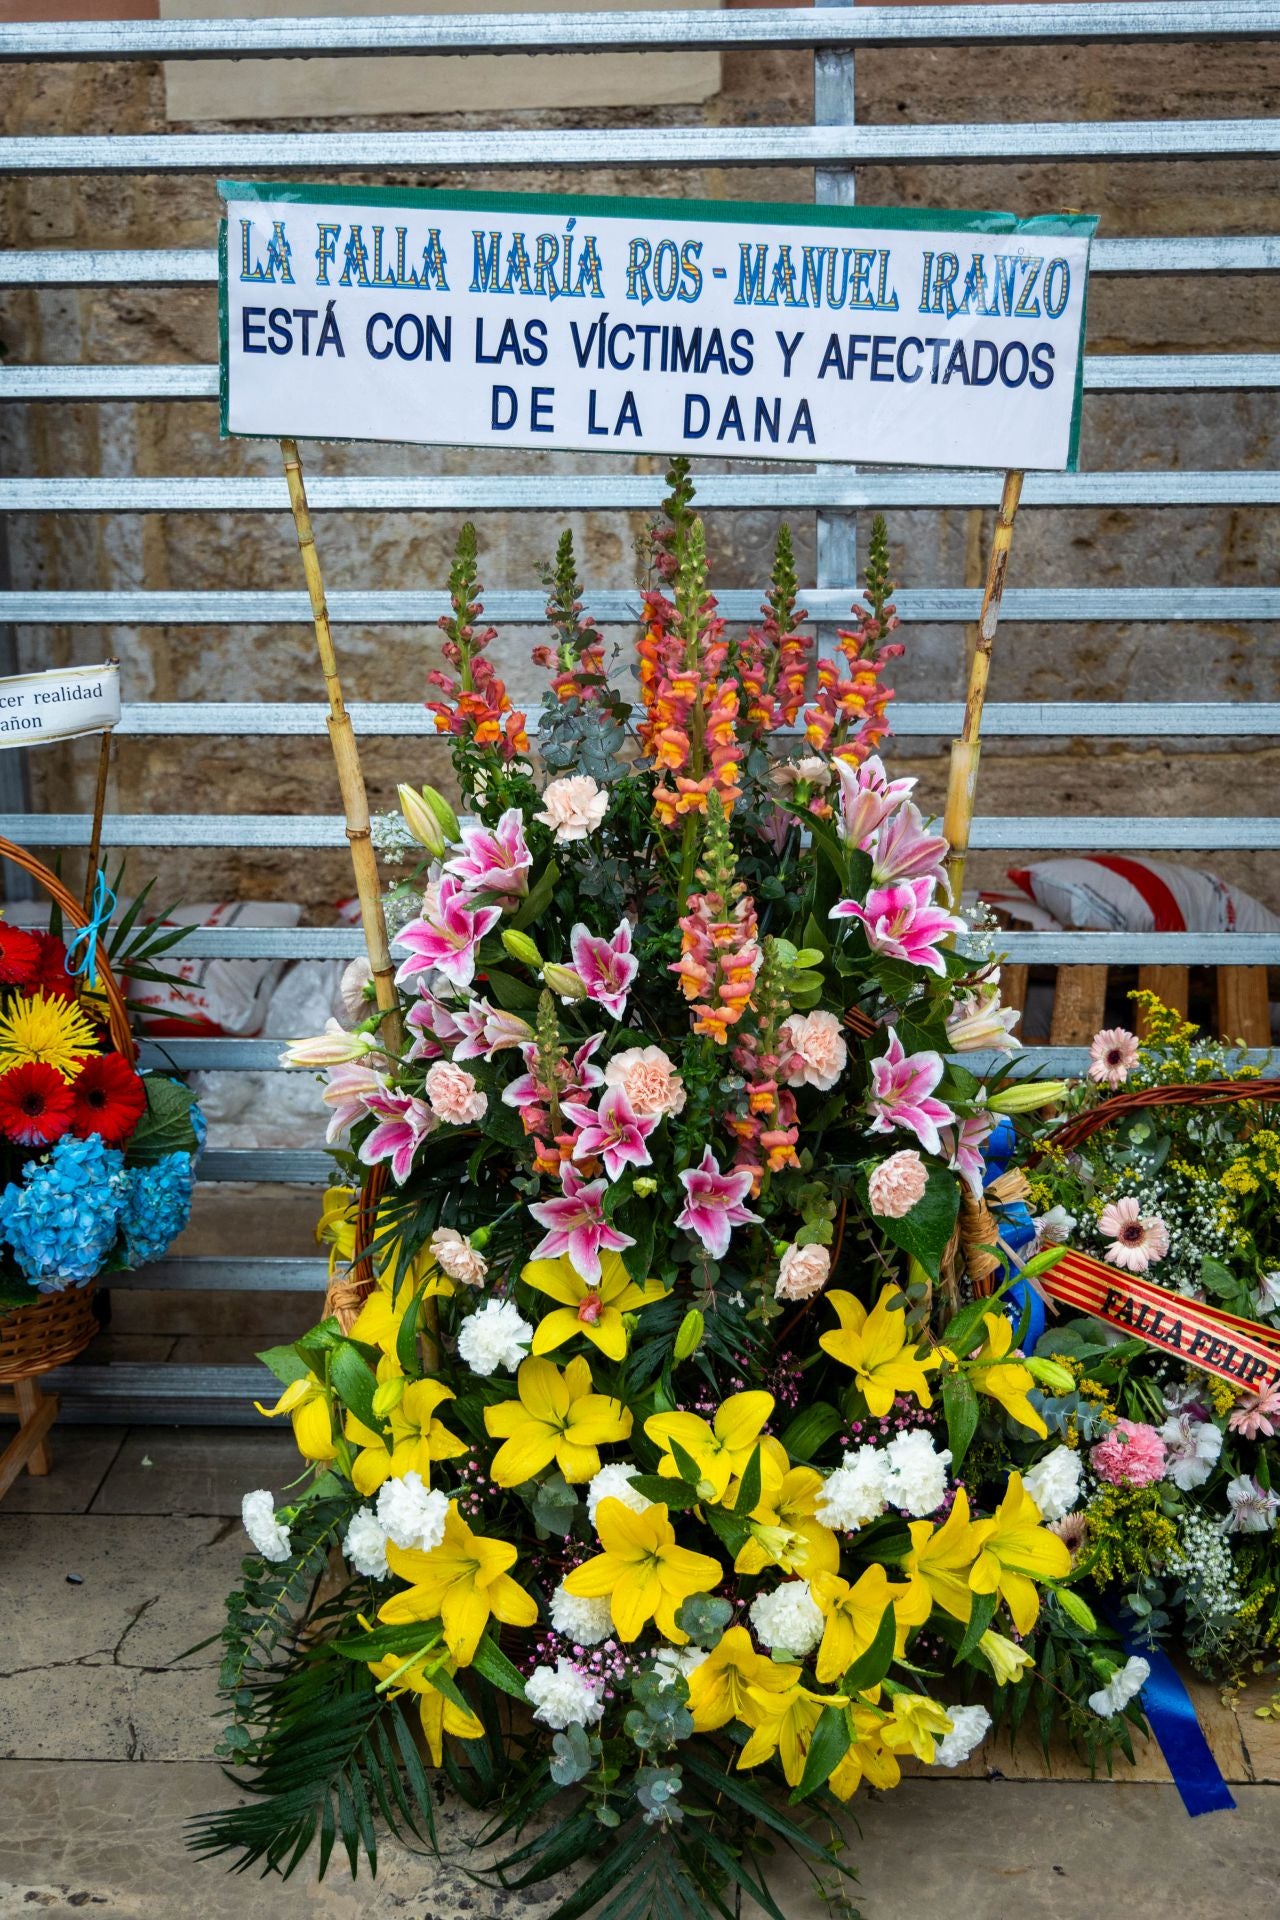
[(936, 605), (917, 26), (204, 1273), (161, 1395), (281, 1166), (1103, 373), (197, 266), (599, 491), (263, 154)]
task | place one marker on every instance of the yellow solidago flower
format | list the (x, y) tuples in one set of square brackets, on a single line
[(853, 1615), (718, 1687), (642, 1573), (557, 1417), (874, 1346), (722, 1450), (417, 1439), (1016, 1551), (917, 1721), (868, 1758), (462, 1583), (1005, 1657), (595, 1311), (1007, 1381), (937, 1567), (439, 1714), (783, 1723), (784, 1530), (46, 1028), (307, 1405)]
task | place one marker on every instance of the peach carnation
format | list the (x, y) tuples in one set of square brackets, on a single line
[(803, 1271), (1132, 1455), (648, 1079), (574, 806), (454, 1253), (454, 1095), (896, 1184), (813, 1050)]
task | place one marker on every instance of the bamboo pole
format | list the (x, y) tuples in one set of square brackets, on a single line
[(95, 832), (346, 754), (963, 778)]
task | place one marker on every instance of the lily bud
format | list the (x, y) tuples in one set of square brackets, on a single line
[(564, 981), (689, 1337), (644, 1187), (335, 1047), (521, 947), (1024, 1096), (387, 1395), (1005, 1658), (421, 821), (445, 814), (1050, 1373)]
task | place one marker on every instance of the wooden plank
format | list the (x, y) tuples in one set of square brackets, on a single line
[(1079, 1004), (1169, 984), (1243, 1004), (36, 1413)]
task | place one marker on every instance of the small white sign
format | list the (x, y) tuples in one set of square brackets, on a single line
[(58, 704), (886, 335)]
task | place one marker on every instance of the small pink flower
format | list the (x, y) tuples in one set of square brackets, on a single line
[(1113, 1054), (1137, 1240), (802, 1272), (494, 859), (713, 1204), (574, 806), (1132, 1455), (616, 1134), (1256, 1413), (965, 1150), (484, 1030), (455, 1098), (648, 1078), (813, 1050), (904, 851), (606, 968), (403, 1124), (902, 1094), (896, 1184), (901, 923), (577, 1227), (347, 1093), (445, 939), (435, 1025), (454, 1253), (867, 796)]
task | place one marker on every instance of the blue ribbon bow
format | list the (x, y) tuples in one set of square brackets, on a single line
[(88, 936), (1016, 1231)]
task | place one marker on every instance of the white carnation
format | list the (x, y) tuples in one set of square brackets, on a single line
[(269, 1535), (856, 1492), (411, 1514), (585, 1622), (562, 1697), (916, 1482), (1120, 1688), (788, 1618), (670, 1661), (1192, 1449), (614, 1483), (1054, 1482), (365, 1544), (497, 1336), (969, 1728)]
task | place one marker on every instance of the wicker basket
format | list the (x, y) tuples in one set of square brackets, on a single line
[(54, 1329), (347, 1292)]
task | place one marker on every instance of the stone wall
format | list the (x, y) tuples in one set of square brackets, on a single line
[(1227, 547)]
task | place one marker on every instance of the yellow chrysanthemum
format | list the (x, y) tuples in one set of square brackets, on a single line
[(44, 1027)]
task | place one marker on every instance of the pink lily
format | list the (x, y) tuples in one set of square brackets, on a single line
[(1256, 1413), (577, 1226), (486, 1030), (607, 968), (494, 859), (904, 851), (579, 1076), (901, 1094), (713, 1204), (349, 1086), (965, 1150), (435, 1025), (615, 1133), (901, 924), (403, 1124), (446, 937), (867, 796)]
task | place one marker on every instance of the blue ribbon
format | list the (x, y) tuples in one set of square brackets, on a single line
[(1017, 1230), (88, 936), (1176, 1730)]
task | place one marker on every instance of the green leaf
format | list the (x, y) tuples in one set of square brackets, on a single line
[(966, 1331), (728, 1529), (704, 1617), (286, 1364), (689, 1468), (354, 1382), (165, 1127), (870, 1668), (676, 1494), (812, 1427), (926, 1231), (639, 1218), (407, 1337), (493, 1665), (555, 1506), (827, 1749), (512, 995), (984, 1612), (1217, 1279), (960, 1403), (749, 1492), (538, 897)]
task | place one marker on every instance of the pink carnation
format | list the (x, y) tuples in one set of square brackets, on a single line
[(896, 1184), (648, 1078), (454, 1095), (802, 1272), (1132, 1455), (813, 1049)]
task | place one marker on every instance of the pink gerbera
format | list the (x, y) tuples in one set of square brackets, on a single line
[(1137, 1239), (1113, 1054)]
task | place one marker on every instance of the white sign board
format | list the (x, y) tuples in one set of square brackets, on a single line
[(881, 335), (58, 704)]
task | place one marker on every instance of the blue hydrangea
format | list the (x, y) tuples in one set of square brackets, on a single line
[(62, 1221), (156, 1206)]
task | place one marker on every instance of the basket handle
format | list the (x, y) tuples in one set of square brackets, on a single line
[(1207, 1093), (117, 1013)]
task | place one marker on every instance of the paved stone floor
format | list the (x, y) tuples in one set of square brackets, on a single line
[(107, 1721)]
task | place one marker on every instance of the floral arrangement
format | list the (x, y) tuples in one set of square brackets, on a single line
[(96, 1159), (639, 1482)]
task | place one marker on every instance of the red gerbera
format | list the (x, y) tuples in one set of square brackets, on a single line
[(19, 956), (107, 1098), (51, 969), (35, 1104)]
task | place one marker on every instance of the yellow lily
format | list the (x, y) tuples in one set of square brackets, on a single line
[(1007, 1381), (874, 1346), (557, 1417), (462, 1582), (1005, 1658), (785, 1531), (642, 1572), (783, 1723), (417, 1439), (593, 1311), (1016, 1551), (718, 1688), (916, 1722), (439, 1715), (307, 1405), (722, 1450), (937, 1567), (867, 1759), (336, 1227), (853, 1615)]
